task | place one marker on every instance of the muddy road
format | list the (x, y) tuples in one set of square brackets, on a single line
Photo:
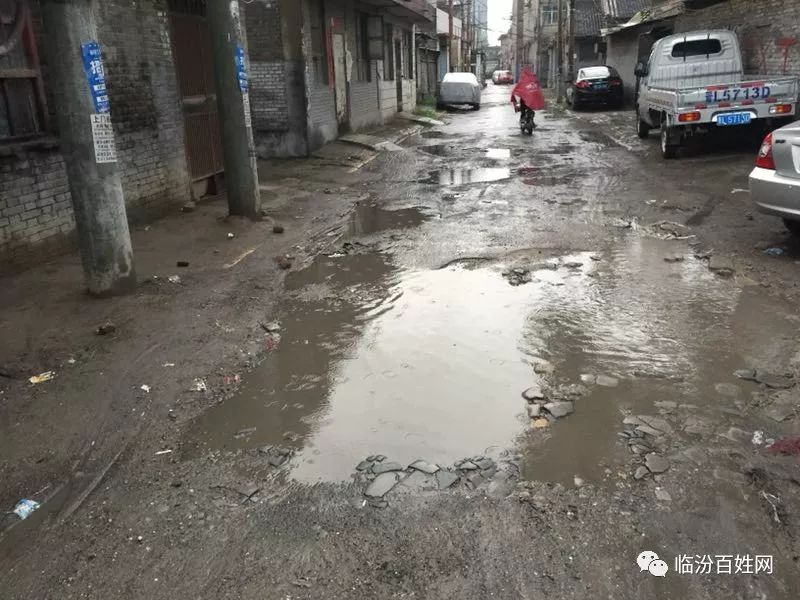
[(517, 363)]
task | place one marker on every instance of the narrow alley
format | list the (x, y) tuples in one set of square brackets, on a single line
[(498, 366)]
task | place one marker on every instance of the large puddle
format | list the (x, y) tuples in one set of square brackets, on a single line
[(374, 359)]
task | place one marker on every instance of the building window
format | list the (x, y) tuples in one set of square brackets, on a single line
[(22, 106), (363, 71), (388, 53), (319, 43), (409, 40), (549, 14)]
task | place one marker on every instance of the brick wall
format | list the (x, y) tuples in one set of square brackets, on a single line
[(35, 207), (277, 77), (267, 66), (765, 28), (263, 23), (145, 104), (36, 218), (268, 96)]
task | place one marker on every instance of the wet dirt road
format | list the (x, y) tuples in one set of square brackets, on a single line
[(557, 340)]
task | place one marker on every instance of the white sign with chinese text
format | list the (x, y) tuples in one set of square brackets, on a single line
[(248, 120), (105, 149)]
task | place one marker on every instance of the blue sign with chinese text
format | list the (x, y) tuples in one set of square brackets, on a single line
[(96, 76), (241, 69)]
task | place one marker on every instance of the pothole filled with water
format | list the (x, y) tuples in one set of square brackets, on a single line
[(375, 359)]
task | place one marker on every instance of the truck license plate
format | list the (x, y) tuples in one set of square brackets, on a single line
[(740, 118), (737, 94)]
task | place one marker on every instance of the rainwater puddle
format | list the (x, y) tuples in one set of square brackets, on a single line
[(370, 218), (431, 364), (498, 153), (561, 149), (549, 180), (666, 332), (377, 361), (438, 149), (464, 176)]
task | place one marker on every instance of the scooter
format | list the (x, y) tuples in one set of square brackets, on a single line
[(526, 123), (530, 100)]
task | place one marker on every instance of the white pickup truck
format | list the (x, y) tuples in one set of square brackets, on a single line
[(695, 82)]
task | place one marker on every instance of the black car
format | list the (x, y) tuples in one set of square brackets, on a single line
[(596, 85)]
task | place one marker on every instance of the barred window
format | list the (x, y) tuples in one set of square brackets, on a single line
[(550, 14)]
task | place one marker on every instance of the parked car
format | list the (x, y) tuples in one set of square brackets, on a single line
[(596, 85), (502, 77), (460, 88), (695, 82), (775, 181)]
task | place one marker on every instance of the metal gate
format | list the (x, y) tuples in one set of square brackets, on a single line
[(191, 48)]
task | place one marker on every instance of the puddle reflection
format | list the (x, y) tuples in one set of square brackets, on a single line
[(464, 176)]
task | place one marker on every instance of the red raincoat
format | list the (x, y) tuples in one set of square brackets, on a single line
[(528, 90)]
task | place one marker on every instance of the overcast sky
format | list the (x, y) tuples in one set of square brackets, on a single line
[(499, 19)]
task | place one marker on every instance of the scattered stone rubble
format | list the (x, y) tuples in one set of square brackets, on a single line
[(276, 455), (543, 410), (518, 276), (384, 477), (642, 434)]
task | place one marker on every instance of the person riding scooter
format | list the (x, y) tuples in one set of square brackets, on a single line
[(531, 99)]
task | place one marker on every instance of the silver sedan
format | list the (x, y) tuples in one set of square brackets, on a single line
[(460, 88), (775, 182)]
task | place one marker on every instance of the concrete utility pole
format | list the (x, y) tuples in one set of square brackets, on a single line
[(571, 42), (560, 50), (520, 37), (239, 153), (87, 140), (470, 20), (450, 43)]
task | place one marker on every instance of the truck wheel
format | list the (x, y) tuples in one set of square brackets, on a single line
[(642, 128), (669, 149)]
